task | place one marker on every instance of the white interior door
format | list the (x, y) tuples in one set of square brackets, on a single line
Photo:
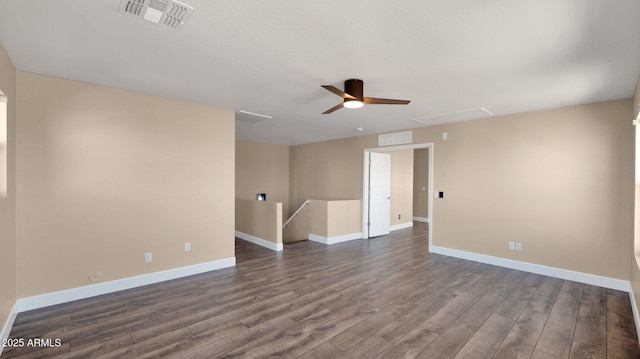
[(379, 193)]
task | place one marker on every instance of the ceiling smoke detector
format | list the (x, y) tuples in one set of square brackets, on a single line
[(167, 13)]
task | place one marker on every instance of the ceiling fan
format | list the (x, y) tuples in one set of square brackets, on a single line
[(353, 96)]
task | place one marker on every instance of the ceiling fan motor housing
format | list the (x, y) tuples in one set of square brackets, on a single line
[(354, 87)]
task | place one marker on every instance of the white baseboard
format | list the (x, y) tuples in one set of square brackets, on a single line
[(6, 329), (592, 279), (261, 242), (634, 308), (336, 239), (396, 227), (422, 219), (63, 296)]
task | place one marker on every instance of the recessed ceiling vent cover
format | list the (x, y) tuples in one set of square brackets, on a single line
[(166, 13), (250, 118), (455, 116)]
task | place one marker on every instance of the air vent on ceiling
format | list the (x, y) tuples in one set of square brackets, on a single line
[(455, 116), (250, 118), (167, 13)]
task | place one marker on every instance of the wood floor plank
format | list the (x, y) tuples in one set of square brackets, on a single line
[(384, 297), (523, 336), (545, 297), (454, 338), (370, 347), (449, 313), (557, 335), (402, 326), (225, 345), (323, 333), (621, 332), (618, 310), (266, 344), (449, 342), (486, 340), (322, 351), (591, 325), (137, 350), (350, 337), (519, 297), (541, 354), (101, 347), (585, 351), (411, 344)]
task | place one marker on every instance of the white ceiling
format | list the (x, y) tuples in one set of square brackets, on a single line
[(270, 57)]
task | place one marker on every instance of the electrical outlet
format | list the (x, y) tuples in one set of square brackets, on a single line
[(187, 246), (148, 257), (518, 246), (398, 216), (512, 246)]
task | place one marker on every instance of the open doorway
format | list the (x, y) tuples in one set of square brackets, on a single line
[(420, 183), (367, 203)]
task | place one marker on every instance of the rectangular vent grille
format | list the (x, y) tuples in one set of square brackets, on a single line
[(176, 15), (398, 138), (167, 13), (133, 7), (250, 118)]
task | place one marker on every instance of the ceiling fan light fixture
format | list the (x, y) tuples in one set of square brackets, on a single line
[(353, 96), (348, 103)]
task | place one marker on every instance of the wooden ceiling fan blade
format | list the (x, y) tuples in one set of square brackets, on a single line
[(338, 92), (384, 101), (334, 108)]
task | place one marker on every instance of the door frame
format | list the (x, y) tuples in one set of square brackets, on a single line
[(365, 184)]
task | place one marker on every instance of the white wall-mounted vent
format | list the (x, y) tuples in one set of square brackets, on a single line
[(167, 13), (398, 138)]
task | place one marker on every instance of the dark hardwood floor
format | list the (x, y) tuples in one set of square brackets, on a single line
[(385, 297)]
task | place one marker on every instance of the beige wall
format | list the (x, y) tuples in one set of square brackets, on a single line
[(329, 170), (106, 175), (421, 183), (326, 219), (635, 254), (262, 168), (8, 294), (343, 218), (559, 181), (636, 101), (401, 187), (260, 219)]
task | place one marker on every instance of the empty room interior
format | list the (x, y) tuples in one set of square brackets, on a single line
[(421, 179)]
